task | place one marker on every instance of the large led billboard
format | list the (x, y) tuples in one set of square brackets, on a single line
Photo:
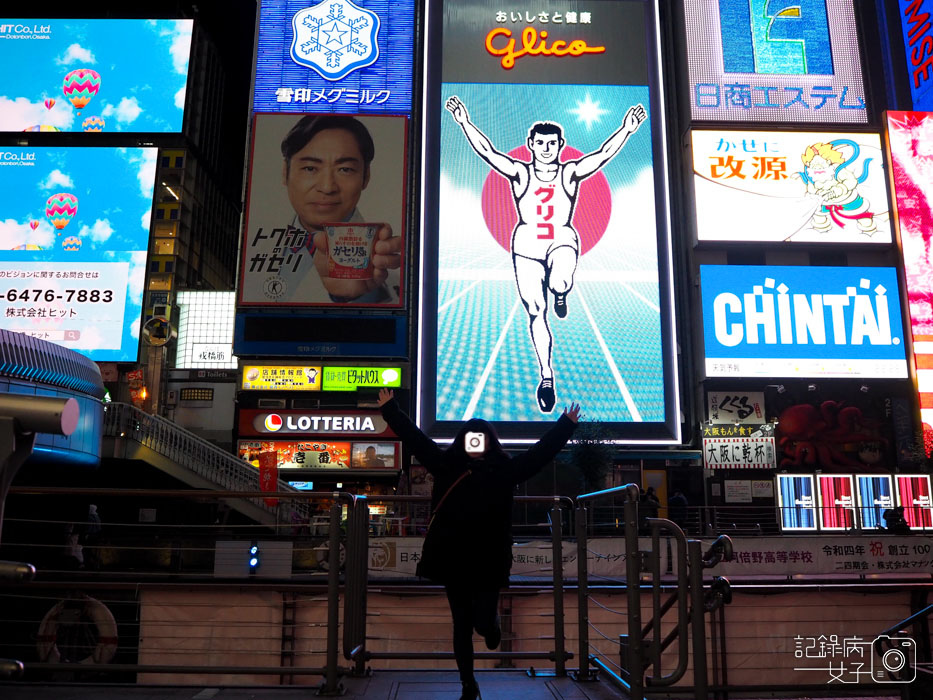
[(913, 495), (837, 501), (796, 502), (334, 56), (93, 75), (910, 139), (875, 496), (545, 267), (774, 61), (310, 178), (777, 321), (74, 234), (798, 187)]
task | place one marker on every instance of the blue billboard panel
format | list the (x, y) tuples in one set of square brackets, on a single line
[(875, 496), (802, 321), (335, 56), (797, 501), (74, 235), (918, 44), (774, 61), (94, 75)]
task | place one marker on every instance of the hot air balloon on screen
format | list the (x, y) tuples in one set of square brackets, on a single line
[(72, 243), (60, 209), (42, 127), (33, 224), (80, 86), (93, 124), (28, 246), (49, 103)]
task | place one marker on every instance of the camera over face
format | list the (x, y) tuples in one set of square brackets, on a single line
[(474, 443), (897, 662)]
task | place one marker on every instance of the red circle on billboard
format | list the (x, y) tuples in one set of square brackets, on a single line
[(590, 216)]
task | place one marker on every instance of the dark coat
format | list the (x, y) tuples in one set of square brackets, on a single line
[(470, 540)]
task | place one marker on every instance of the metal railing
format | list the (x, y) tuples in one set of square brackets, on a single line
[(201, 457)]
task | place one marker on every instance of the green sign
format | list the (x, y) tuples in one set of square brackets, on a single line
[(353, 378)]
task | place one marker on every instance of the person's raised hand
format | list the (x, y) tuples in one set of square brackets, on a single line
[(385, 395), (573, 412)]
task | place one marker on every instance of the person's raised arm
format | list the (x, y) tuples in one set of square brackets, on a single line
[(501, 163), (421, 446), (533, 460), (592, 162)]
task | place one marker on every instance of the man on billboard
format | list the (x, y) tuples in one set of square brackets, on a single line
[(545, 245), (326, 167)]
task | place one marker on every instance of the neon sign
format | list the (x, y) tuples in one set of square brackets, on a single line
[(577, 47)]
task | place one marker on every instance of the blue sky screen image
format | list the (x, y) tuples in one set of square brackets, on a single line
[(74, 235), (94, 75)]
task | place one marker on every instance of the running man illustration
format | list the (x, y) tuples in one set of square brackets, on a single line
[(827, 177), (545, 246)]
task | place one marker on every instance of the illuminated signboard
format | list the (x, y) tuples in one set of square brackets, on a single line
[(282, 377), (910, 139), (918, 42), (837, 502), (261, 422), (774, 321), (796, 501), (94, 75), (738, 453), (735, 407), (761, 60), (353, 378), (545, 268), (73, 246), (319, 454), (205, 330), (875, 496), (799, 187), (334, 56), (913, 494), (288, 256)]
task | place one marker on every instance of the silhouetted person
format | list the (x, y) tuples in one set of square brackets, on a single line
[(895, 522), (677, 509), (468, 545)]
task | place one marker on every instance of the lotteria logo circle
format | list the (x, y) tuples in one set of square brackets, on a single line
[(273, 422)]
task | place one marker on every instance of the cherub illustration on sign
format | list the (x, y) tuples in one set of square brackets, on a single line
[(545, 245), (828, 178)]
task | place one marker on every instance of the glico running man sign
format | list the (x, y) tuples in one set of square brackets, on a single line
[(546, 265)]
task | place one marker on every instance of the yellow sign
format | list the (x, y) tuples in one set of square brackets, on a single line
[(282, 377)]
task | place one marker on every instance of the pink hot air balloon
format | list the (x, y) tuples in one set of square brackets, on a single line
[(49, 103), (33, 225), (60, 209), (80, 85)]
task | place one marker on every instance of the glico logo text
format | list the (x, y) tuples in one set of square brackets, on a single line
[(775, 37), (532, 46)]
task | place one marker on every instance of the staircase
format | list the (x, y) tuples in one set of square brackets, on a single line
[(135, 434)]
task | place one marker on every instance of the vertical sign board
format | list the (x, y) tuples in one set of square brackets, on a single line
[(794, 187), (334, 56), (913, 494), (918, 44), (875, 496), (797, 502), (774, 61), (546, 264), (910, 141), (773, 321), (837, 502)]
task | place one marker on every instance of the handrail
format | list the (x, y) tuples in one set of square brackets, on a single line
[(893, 629), (190, 451)]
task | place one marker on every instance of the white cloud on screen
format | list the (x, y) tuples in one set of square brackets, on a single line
[(99, 232), (137, 276), (180, 97), (55, 180), (19, 114), (76, 54), (15, 233), (126, 112), (179, 34)]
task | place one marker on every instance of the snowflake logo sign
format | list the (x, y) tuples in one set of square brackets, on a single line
[(335, 38)]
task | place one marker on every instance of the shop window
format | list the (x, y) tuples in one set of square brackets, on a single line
[(169, 266), (154, 266), (179, 161), (166, 161), (173, 214), (160, 213)]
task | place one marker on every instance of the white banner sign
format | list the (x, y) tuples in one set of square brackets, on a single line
[(738, 453), (736, 407)]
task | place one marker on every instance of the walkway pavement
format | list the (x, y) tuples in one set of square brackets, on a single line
[(383, 685)]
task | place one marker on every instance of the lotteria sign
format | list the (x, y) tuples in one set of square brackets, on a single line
[(256, 422), (802, 322)]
